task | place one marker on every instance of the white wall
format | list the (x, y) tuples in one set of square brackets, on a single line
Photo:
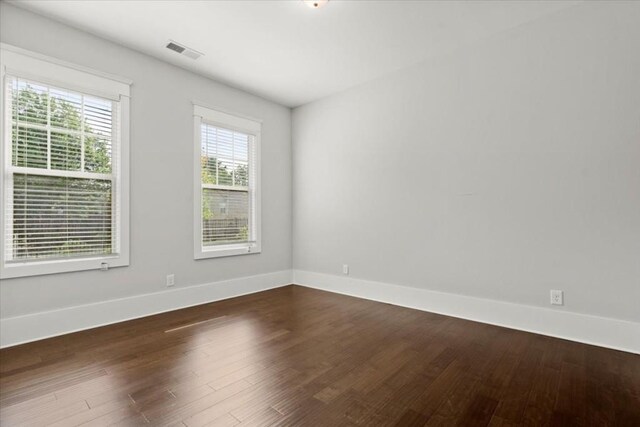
[(500, 171), (161, 177)]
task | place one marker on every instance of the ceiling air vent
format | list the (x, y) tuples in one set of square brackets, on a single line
[(183, 50)]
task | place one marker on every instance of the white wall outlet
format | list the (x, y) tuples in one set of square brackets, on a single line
[(345, 269), (171, 280), (557, 297)]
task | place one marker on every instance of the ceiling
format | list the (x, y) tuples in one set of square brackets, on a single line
[(287, 52)]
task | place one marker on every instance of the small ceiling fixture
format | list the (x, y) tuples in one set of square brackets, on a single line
[(316, 4)]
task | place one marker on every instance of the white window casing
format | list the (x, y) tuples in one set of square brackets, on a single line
[(64, 185), (226, 183)]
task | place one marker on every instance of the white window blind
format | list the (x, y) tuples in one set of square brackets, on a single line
[(61, 178), (64, 166), (228, 183)]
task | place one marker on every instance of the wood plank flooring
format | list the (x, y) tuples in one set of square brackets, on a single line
[(297, 356)]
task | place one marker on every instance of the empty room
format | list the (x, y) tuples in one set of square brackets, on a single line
[(319, 213)]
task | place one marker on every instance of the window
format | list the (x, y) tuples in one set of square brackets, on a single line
[(64, 167), (226, 183)]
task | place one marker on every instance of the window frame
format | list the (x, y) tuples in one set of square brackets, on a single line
[(235, 122), (21, 63)]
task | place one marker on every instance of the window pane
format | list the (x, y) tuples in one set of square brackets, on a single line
[(97, 154), (98, 116), (57, 217), (30, 102), (29, 147), (241, 174), (65, 151), (225, 170), (225, 216), (65, 109)]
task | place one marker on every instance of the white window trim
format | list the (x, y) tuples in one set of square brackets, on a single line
[(22, 63), (238, 123)]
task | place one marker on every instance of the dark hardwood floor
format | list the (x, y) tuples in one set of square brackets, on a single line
[(297, 356)]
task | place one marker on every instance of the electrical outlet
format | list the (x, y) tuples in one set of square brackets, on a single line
[(345, 269), (557, 297), (171, 280)]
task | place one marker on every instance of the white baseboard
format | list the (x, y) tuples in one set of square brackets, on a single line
[(37, 326), (600, 331)]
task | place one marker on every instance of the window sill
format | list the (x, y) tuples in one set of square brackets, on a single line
[(38, 268), (227, 250)]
